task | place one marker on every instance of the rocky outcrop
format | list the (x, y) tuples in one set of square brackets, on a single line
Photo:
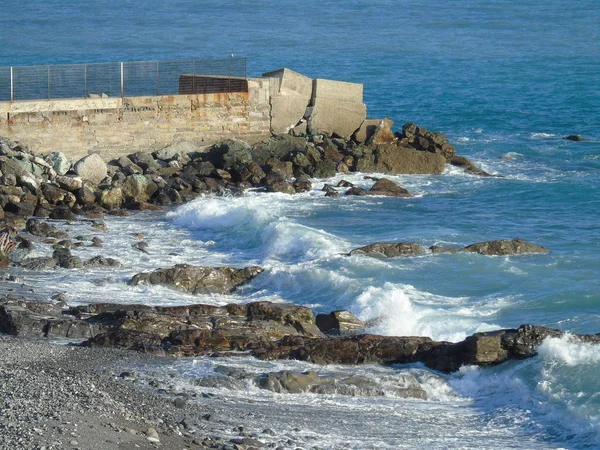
[(467, 165), (265, 330), (198, 279), (339, 323), (503, 247), (389, 249), (388, 188)]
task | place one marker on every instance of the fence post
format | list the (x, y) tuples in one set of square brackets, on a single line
[(12, 85), (122, 83)]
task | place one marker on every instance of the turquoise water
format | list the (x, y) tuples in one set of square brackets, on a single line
[(506, 81)]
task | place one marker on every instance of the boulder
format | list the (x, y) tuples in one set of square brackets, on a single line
[(58, 161), (389, 249), (382, 134), (574, 137), (468, 166), (421, 139), (137, 188), (43, 229), (394, 159), (198, 279), (91, 168), (111, 198), (339, 323), (505, 247), (388, 188)]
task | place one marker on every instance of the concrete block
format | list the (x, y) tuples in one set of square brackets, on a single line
[(337, 90), (366, 130), (292, 83), (286, 112), (341, 118)]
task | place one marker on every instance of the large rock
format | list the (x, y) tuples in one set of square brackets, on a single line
[(421, 139), (389, 249), (388, 188), (339, 323), (199, 279), (91, 168), (394, 159), (58, 161), (467, 165), (505, 247)]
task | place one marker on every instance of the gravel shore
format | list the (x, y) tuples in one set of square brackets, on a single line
[(64, 397)]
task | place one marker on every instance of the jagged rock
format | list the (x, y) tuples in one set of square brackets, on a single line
[(91, 168), (468, 166), (505, 247), (145, 161), (62, 213), (111, 198), (199, 279), (137, 188), (43, 229), (67, 183), (58, 161), (421, 139), (388, 188), (439, 249), (389, 249), (129, 339), (41, 263), (339, 323), (383, 133)]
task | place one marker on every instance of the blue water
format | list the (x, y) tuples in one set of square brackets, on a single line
[(505, 80)]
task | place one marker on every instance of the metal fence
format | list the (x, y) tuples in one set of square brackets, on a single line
[(120, 79)]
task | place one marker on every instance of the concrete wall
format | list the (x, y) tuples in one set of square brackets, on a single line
[(116, 126), (112, 127)]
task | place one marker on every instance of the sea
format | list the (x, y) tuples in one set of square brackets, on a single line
[(505, 81)]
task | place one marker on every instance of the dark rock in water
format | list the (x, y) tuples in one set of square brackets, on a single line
[(356, 191), (64, 259), (41, 263), (332, 193), (574, 137), (43, 229), (339, 323), (101, 261), (389, 249), (468, 166), (505, 247), (199, 279), (344, 183), (439, 249), (62, 213), (300, 317), (484, 349), (388, 188), (284, 187), (403, 385)]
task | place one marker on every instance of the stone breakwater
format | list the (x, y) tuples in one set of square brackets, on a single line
[(53, 186), (264, 330)]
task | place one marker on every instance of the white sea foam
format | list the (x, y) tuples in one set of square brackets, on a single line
[(541, 135), (570, 351), (402, 310)]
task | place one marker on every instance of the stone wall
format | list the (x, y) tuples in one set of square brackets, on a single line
[(112, 127)]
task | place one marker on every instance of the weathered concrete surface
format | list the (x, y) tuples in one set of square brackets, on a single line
[(292, 83), (336, 117), (286, 112), (113, 127), (337, 90)]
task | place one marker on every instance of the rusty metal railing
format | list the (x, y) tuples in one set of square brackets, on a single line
[(122, 79)]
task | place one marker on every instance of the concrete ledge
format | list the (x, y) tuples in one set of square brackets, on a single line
[(292, 83), (73, 104), (337, 90)]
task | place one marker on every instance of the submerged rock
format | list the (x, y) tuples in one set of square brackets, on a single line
[(468, 166), (199, 279), (388, 188)]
